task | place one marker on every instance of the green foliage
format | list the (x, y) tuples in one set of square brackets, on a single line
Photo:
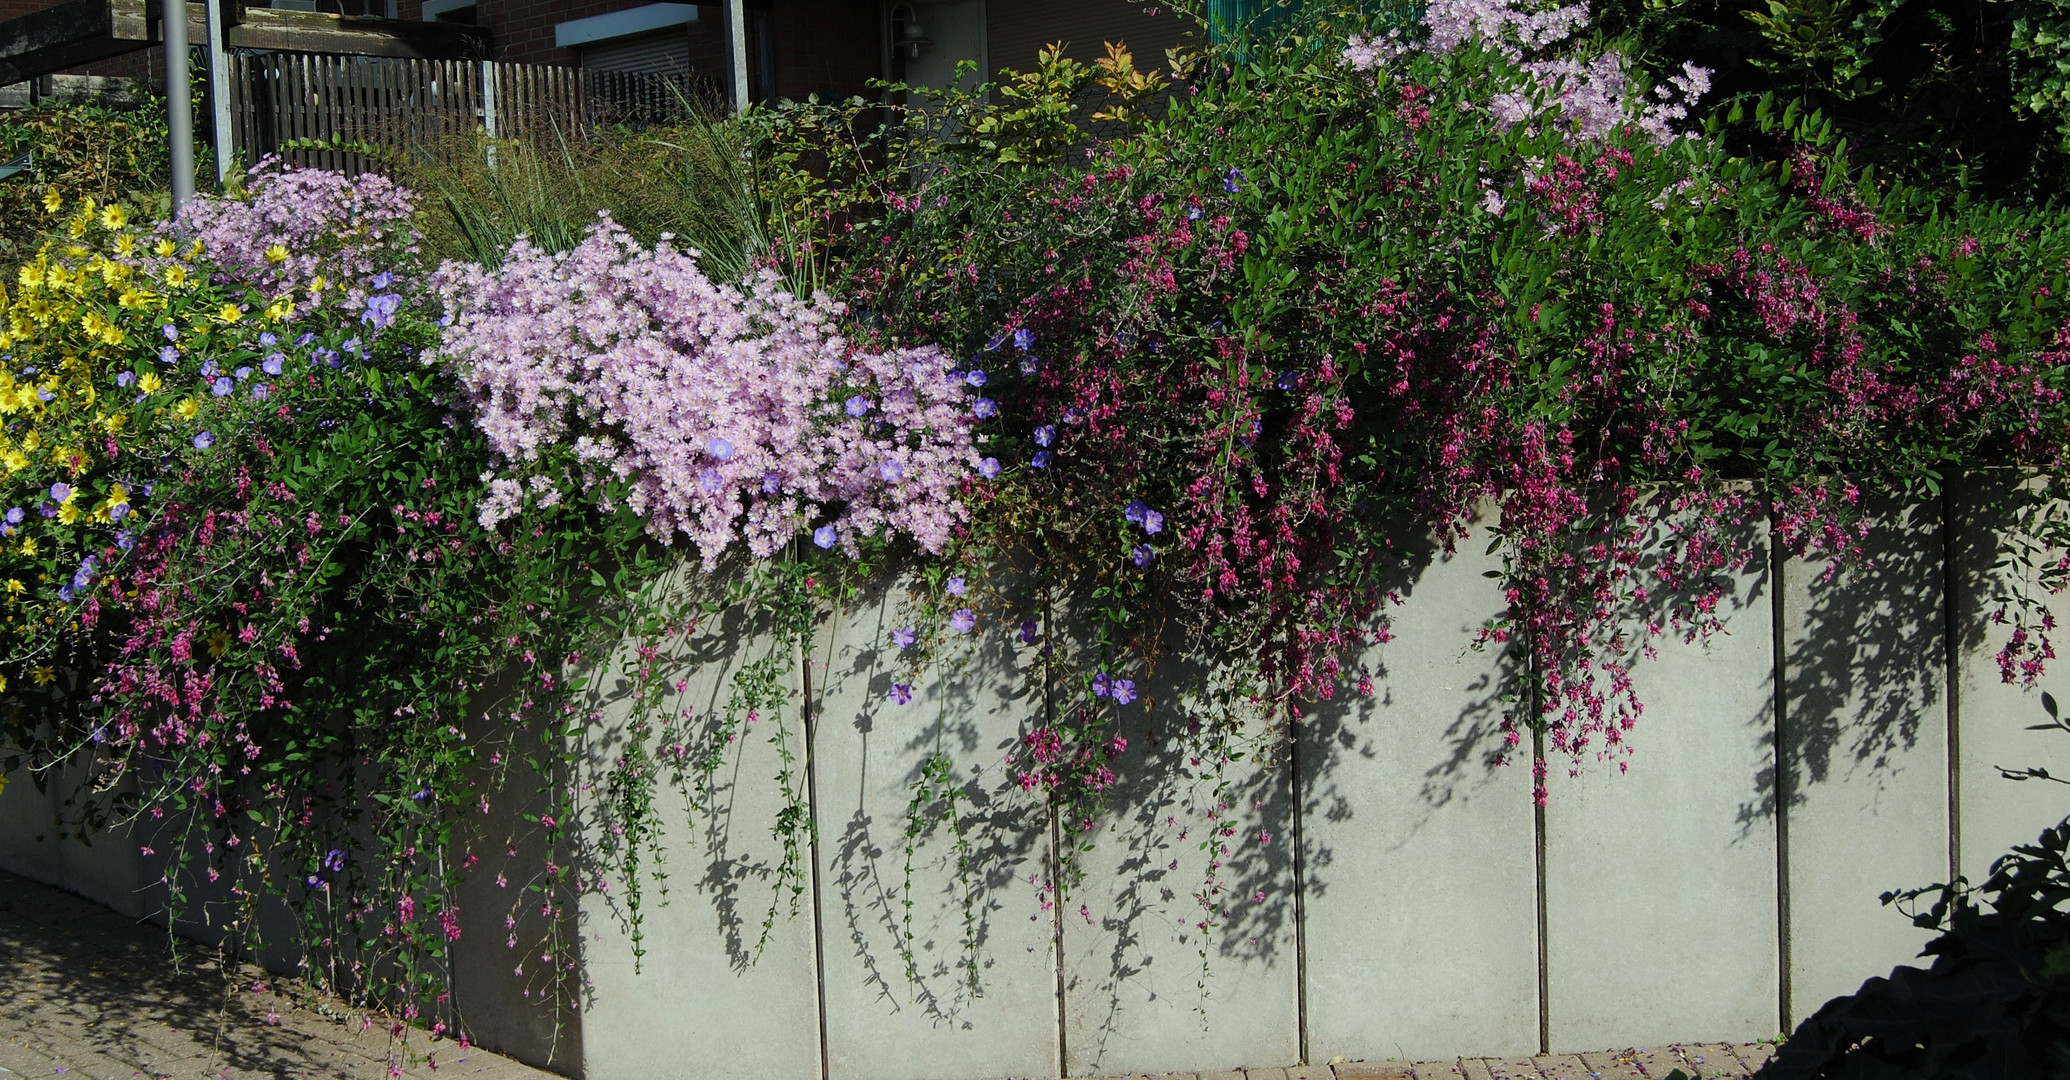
[(83, 150)]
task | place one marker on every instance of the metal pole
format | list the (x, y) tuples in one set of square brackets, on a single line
[(219, 90), (737, 51), (179, 101)]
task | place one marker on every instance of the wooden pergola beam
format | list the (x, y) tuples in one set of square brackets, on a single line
[(83, 31)]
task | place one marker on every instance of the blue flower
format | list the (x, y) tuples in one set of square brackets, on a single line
[(771, 483), (242, 373), (382, 280), (171, 334), (1230, 181), (204, 440), (305, 339), (125, 378), (272, 364), (209, 370), (334, 861), (720, 448), (1045, 434), (1102, 684), (65, 593), (825, 536), (168, 355), (1030, 365), (118, 511), (1124, 691), (1153, 522), (997, 340), (1029, 632), (267, 340), (985, 408), (956, 587), (858, 405), (1289, 380), (1024, 339), (1136, 510), (222, 387), (61, 491), (905, 637), (711, 480), (350, 347), (975, 376), (380, 311), (125, 540), (1040, 460), (262, 392), (44, 395), (1143, 555), (963, 620), (14, 515), (901, 693), (1193, 212), (988, 468), (892, 472)]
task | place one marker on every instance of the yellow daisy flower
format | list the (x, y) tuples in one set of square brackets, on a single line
[(114, 217), (52, 201)]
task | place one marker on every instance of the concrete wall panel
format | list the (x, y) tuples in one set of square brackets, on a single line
[(1865, 751), (1996, 720), (709, 999), (1661, 881), (903, 928), (1419, 862)]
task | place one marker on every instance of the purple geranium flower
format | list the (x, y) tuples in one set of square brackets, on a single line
[(721, 449), (901, 693), (272, 364), (905, 637), (985, 408), (1024, 339), (963, 620), (1143, 555), (1045, 434), (892, 472), (170, 332), (1124, 691), (1136, 510), (168, 355), (1030, 632), (1102, 684), (204, 440), (988, 468), (1040, 460), (956, 587), (222, 387), (858, 405), (1153, 522), (825, 536), (975, 376)]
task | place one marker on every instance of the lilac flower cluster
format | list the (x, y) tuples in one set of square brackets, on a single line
[(731, 413), (295, 225), (1593, 95)]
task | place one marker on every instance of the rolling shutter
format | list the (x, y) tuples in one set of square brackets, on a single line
[(665, 53)]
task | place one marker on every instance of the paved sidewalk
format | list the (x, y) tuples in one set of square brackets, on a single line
[(87, 994)]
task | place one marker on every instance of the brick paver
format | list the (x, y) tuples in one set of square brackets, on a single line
[(87, 994)]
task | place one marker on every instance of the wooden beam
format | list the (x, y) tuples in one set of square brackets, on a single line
[(315, 31), (83, 31), (71, 34)]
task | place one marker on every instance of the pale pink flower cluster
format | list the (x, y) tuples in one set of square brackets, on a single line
[(731, 413), (1594, 95), (293, 226)]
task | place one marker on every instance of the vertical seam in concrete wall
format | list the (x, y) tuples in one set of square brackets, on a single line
[(1538, 857), (1300, 894), (808, 715), (1056, 852), (1783, 787), (1951, 649)]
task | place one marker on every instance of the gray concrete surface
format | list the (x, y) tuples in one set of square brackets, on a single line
[(1864, 751), (1660, 884), (1419, 863)]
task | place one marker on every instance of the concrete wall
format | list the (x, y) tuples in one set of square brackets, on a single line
[(1387, 890)]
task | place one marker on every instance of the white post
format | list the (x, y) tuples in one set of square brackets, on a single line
[(219, 89), (489, 122), (737, 51)]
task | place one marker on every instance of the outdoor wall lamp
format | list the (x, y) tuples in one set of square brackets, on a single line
[(911, 39)]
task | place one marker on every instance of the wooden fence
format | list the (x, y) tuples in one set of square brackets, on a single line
[(286, 102)]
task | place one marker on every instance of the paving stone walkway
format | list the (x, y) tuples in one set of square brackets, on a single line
[(88, 994)]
